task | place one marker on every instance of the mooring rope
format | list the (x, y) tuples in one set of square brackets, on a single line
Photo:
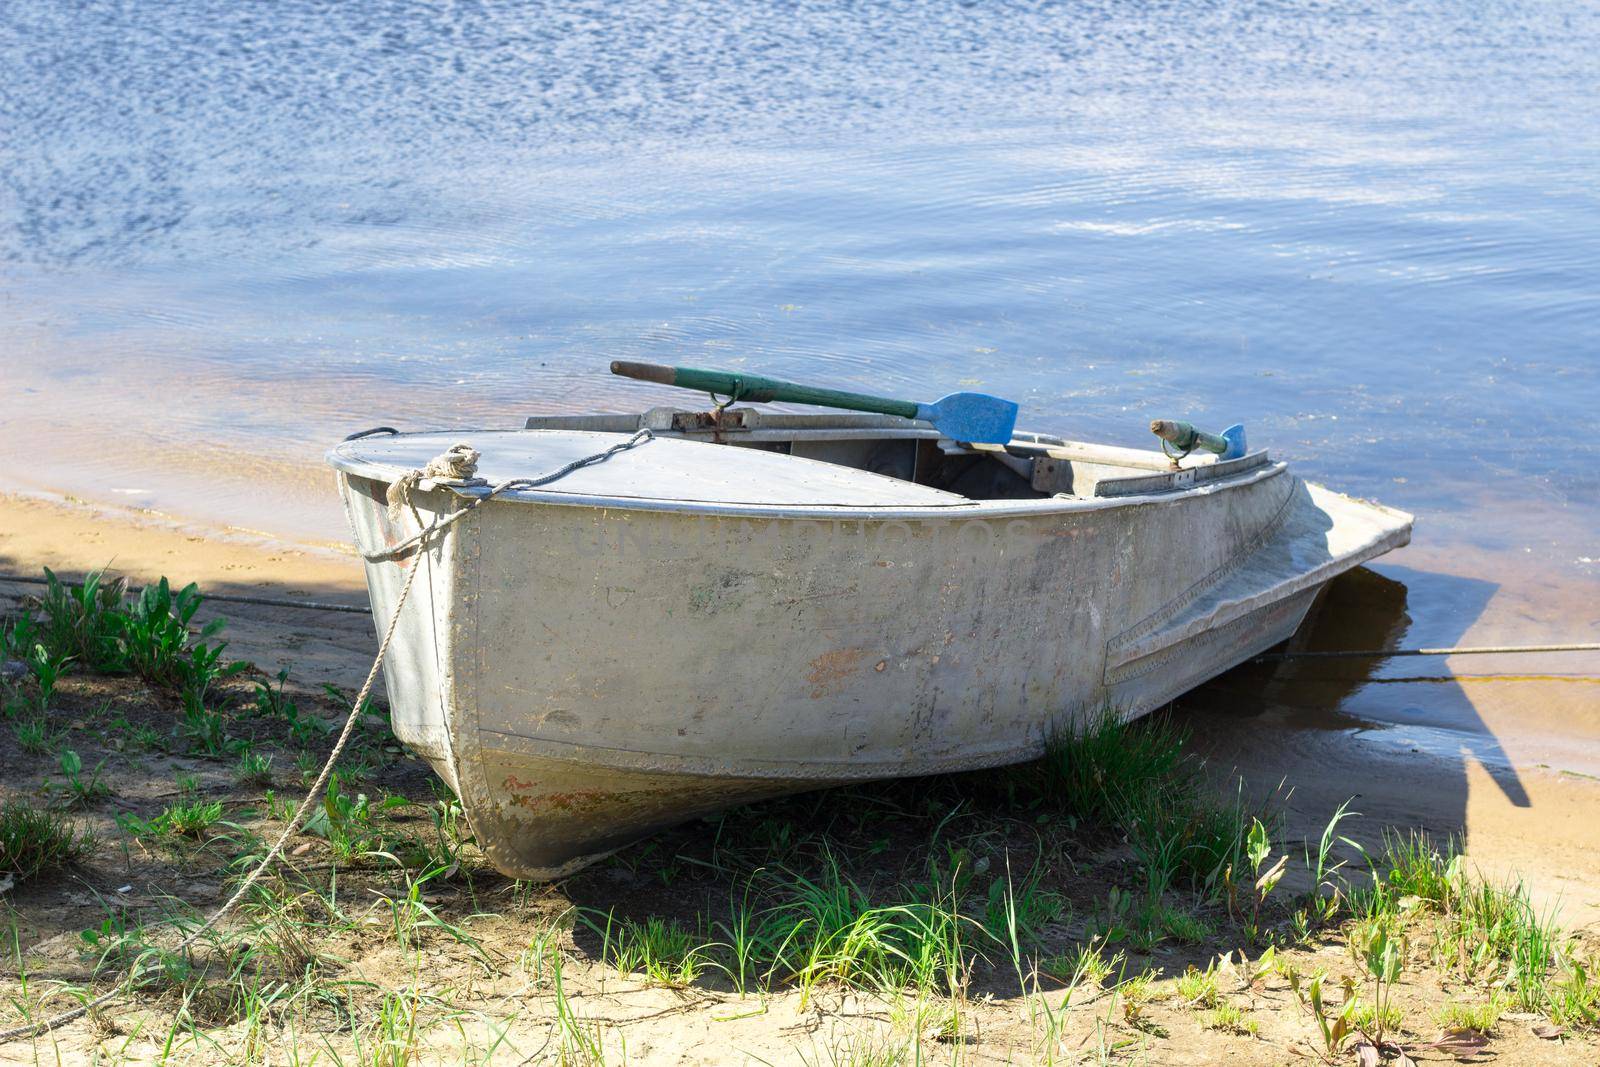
[(225, 598), (449, 461), (1461, 650)]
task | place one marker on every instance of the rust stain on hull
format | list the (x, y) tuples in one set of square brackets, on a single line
[(831, 670)]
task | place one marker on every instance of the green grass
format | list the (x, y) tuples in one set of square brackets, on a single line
[(36, 737), (1229, 1018), (1024, 908), (1479, 1016), (836, 933), (34, 841), (1419, 870), (1486, 932), (1198, 988), (1494, 929), (662, 951), (253, 769), (1088, 964), (1136, 778), (84, 787), (1374, 1018), (186, 818), (1108, 768)]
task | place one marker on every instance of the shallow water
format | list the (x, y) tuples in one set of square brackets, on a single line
[(233, 233)]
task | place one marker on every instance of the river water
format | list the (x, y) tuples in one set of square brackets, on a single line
[(232, 233)]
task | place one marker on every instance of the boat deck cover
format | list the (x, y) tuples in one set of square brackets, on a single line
[(661, 469)]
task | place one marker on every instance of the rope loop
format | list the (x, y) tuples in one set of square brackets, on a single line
[(408, 481)]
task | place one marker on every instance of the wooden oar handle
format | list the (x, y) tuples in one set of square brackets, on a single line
[(645, 372)]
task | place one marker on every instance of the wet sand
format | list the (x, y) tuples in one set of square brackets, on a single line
[(1507, 760)]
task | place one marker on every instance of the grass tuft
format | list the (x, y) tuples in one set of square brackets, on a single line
[(33, 841), (664, 952), (1230, 1019)]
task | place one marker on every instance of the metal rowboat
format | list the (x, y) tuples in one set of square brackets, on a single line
[(759, 603)]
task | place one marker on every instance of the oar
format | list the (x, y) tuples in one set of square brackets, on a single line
[(972, 417), (1185, 438)]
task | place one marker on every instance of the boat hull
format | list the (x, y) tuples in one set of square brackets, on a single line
[(584, 675)]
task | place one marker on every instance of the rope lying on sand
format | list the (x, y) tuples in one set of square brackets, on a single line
[(452, 461), (1462, 650), (230, 598)]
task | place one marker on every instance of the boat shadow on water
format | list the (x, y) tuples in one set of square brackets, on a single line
[(1397, 737)]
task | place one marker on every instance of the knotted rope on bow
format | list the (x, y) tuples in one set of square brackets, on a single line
[(459, 464)]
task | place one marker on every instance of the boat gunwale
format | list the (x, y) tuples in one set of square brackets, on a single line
[(967, 509)]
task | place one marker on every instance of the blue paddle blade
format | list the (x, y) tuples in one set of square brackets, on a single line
[(974, 417), (1234, 435)]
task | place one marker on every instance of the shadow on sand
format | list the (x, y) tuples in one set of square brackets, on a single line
[(1395, 735)]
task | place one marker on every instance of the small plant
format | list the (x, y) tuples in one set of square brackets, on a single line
[(1574, 996), (663, 952), (33, 841), (1380, 946), (1229, 1018), (1088, 964), (18, 635), (1333, 1021), (186, 818), (35, 737), (83, 788), (1322, 902), (451, 836), (1258, 847), (253, 768), (273, 702), (1373, 1019), (46, 668), (1197, 988), (205, 729), (157, 636), (1481, 1017), (85, 622), (349, 823), (1134, 994), (277, 808)]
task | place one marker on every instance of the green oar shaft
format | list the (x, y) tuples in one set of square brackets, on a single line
[(758, 389), (1184, 437)]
